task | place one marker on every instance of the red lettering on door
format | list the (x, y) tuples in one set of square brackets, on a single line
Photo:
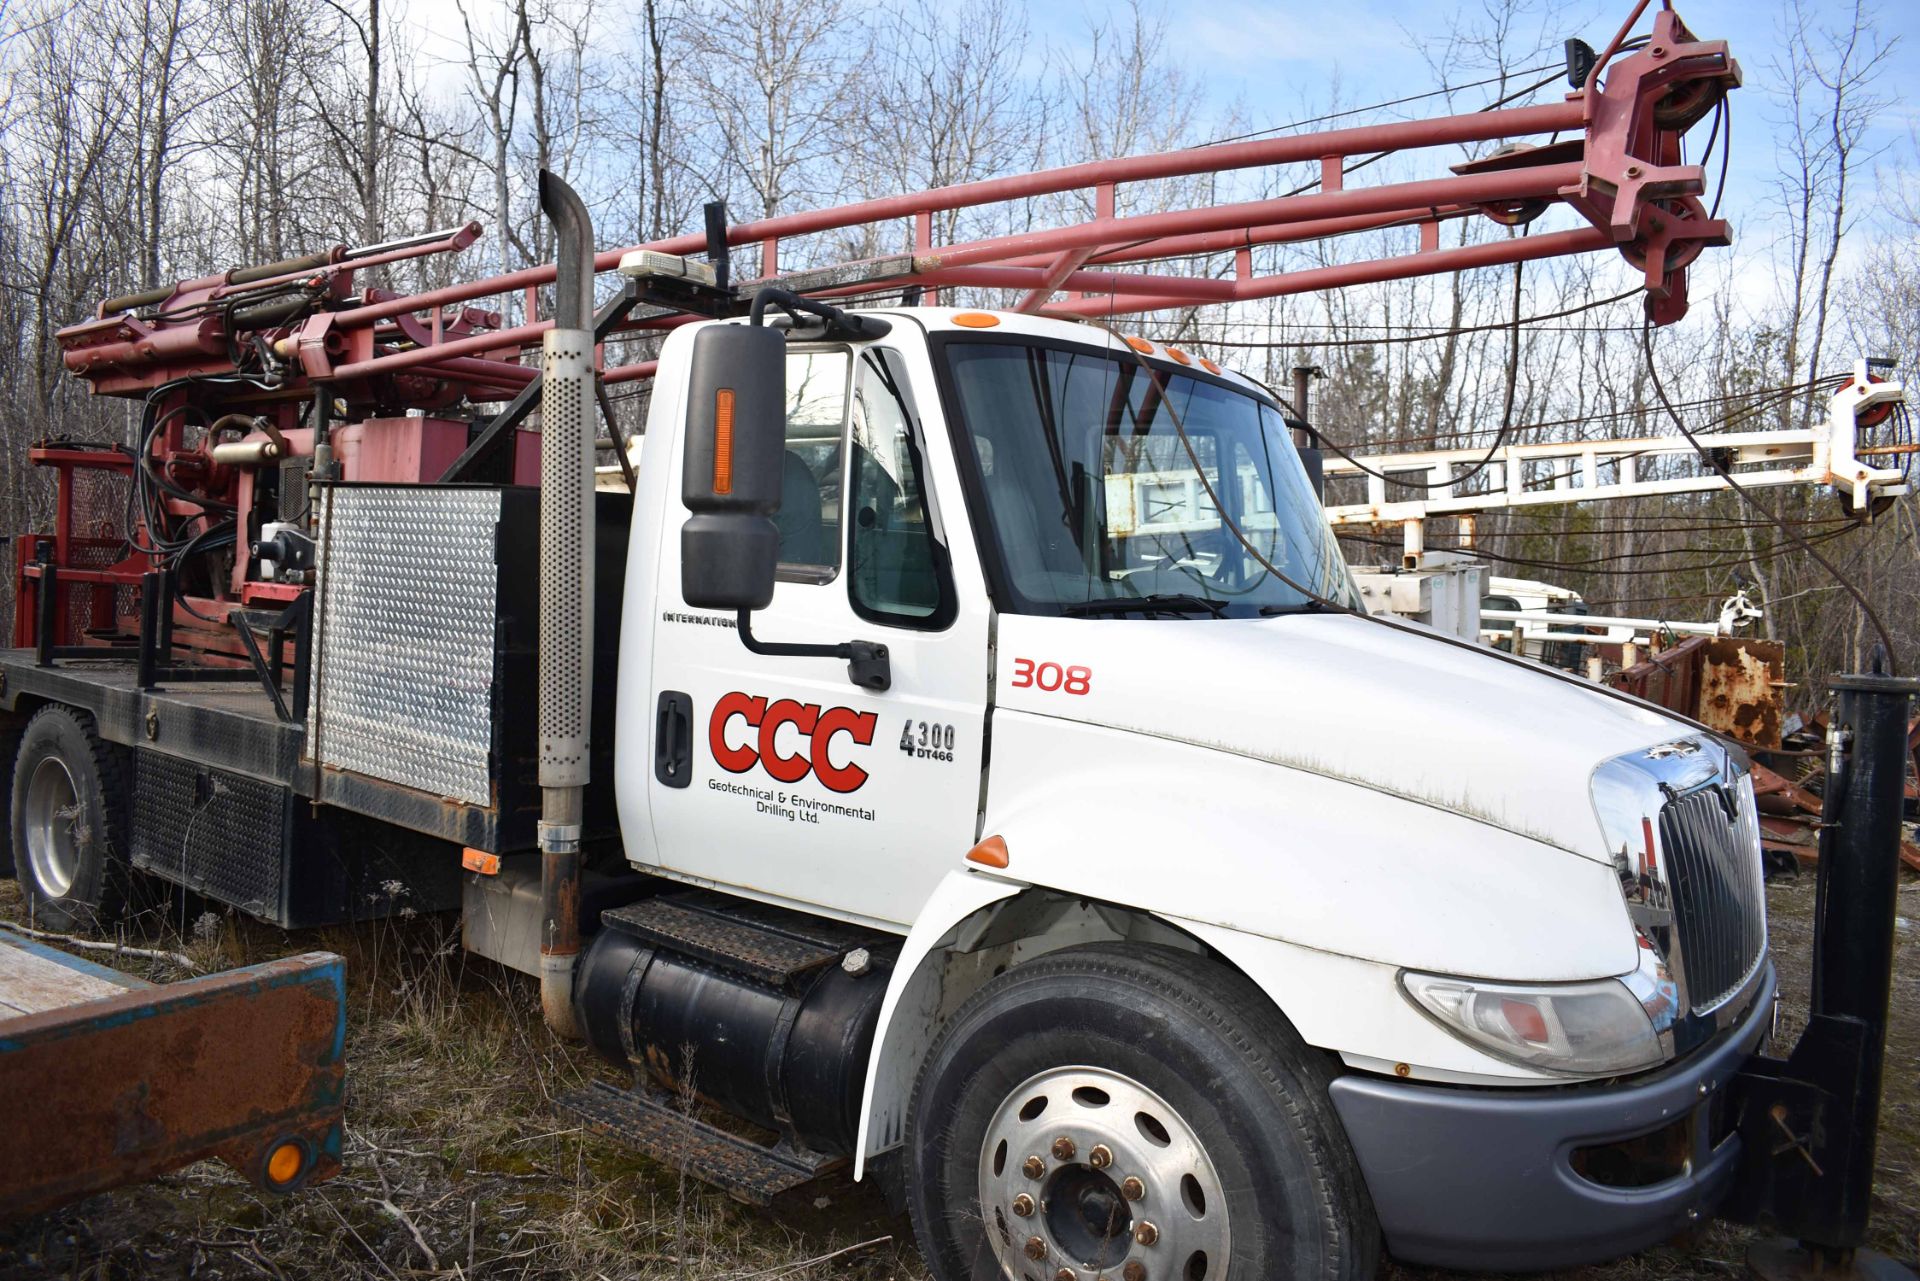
[(735, 760), (817, 729), (856, 725), (788, 769)]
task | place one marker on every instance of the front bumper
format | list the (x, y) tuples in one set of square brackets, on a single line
[(1487, 1179)]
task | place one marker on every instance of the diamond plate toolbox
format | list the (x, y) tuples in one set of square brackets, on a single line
[(405, 636)]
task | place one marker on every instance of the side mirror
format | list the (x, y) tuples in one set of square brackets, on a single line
[(736, 435)]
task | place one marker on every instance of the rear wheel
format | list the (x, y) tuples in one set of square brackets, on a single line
[(1133, 1114), (68, 847)]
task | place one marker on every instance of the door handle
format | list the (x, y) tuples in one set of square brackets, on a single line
[(673, 740)]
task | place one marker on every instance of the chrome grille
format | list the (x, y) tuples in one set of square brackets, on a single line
[(1709, 842)]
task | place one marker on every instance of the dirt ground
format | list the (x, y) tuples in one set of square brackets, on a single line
[(458, 1166)]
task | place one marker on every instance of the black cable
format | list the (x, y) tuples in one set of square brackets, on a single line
[(1726, 151), (1499, 437), (1639, 525), (1558, 69), (1726, 472), (1766, 397), (1732, 558)]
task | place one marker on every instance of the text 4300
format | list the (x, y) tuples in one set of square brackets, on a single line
[(927, 741)]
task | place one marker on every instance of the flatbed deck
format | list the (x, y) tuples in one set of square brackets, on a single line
[(35, 978), (232, 725)]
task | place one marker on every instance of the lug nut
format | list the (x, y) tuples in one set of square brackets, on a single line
[(1036, 1249), (1023, 1206), (1034, 1167), (1063, 1149), (1146, 1233), (1134, 1271), (1101, 1157), (1132, 1189)]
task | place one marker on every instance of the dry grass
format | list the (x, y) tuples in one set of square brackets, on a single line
[(458, 1167)]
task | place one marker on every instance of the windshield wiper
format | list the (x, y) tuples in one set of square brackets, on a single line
[(1178, 604), (1308, 606)]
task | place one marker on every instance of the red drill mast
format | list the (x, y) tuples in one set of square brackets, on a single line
[(254, 366)]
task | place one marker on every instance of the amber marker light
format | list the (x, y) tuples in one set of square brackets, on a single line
[(1140, 345), (285, 1163), (1178, 357), (991, 852), (976, 320), (723, 441)]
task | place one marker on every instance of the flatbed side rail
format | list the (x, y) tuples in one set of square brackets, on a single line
[(247, 1065)]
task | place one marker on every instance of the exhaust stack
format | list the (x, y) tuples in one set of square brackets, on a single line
[(566, 595)]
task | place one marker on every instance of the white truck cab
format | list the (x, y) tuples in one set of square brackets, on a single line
[(1209, 926)]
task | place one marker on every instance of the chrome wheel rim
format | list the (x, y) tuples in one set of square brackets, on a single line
[(1087, 1175), (48, 823)]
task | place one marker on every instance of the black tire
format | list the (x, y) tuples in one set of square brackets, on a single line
[(1247, 1090), (12, 726), (69, 837)]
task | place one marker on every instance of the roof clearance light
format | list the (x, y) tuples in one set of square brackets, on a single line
[(644, 263), (1178, 357), (1140, 345), (976, 320), (1209, 366)]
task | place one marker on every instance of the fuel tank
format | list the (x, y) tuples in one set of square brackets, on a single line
[(766, 1014)]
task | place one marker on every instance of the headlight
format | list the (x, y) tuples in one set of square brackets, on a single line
[(1586, 1029)]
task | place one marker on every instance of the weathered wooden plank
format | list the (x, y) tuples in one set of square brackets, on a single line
[(31, 982)]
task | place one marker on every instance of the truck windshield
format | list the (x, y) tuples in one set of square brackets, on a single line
[(1096, 504)]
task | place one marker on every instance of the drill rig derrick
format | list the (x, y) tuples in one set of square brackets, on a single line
[(247, 378)]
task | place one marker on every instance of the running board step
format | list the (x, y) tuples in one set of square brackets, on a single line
[(770, 945), (746, 1170)]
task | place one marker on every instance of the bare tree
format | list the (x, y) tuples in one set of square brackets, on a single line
[(1828, 100), (951, 100), (779, 80)]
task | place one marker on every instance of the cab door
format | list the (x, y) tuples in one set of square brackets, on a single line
[(778, 776)]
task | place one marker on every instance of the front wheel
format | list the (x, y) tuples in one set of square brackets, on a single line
[(1133, 1113)]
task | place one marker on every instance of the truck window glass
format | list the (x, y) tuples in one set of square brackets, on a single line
[(893, 574), (1092, 495), (809, 515)]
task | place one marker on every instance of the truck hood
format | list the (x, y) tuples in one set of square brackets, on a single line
[(1383, 706)]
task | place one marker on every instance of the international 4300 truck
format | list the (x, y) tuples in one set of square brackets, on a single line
[(962, 757)]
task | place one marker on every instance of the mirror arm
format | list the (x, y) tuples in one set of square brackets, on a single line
[(867, 664)]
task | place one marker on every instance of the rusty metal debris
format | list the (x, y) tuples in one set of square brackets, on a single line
[(1734, 686), (246, 1065)]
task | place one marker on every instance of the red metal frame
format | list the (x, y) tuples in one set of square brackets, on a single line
[(1615, 159)]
